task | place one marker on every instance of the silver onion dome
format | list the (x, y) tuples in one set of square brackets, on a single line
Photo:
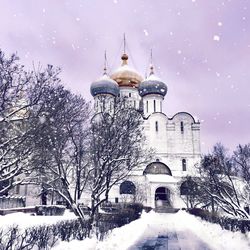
[(105, 85), (152, 85)]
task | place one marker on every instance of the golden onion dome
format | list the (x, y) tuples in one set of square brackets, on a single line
[(125, 76)]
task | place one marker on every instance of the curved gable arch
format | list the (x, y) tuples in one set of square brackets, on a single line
[(157, 168), (183, 114)]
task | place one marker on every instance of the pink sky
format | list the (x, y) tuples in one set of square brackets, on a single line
[(201, 49)]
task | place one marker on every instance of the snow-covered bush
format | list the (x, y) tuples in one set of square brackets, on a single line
[(43, 237), (122, 213), (232, 224), (50, 210)]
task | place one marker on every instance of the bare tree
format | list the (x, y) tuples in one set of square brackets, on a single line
[(190, 192), (17, 130), (116, 150), (61, 145), (241, 158), (218, 186)]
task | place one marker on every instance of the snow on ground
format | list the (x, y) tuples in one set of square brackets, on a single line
[(23, 220), (191, 233)]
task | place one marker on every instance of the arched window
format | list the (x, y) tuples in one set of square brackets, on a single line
[(127, 187), (129, 94), (184, 165), (157, 168), (182, 127), (154, 106), (156, 126)]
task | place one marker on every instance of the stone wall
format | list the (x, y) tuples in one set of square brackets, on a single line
[(12, 202)]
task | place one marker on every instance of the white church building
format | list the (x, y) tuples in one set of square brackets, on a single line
[(175, 140)]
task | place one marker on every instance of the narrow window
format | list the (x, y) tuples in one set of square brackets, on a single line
[(184, 165), (26, 189), (154, 106), (116, 199), (129, 94), (182, 127), (18, 187), (161, 106), (134, 104), (97, 104), (147, 106), (156, 126)]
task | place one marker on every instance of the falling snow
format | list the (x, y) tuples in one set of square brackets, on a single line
[(191, 40), (216, 38), (145, 32)]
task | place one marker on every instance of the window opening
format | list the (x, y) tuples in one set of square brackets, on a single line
[(156, 126), (184, 165), (182, 127)]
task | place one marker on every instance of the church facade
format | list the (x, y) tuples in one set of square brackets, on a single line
[(175, 140)]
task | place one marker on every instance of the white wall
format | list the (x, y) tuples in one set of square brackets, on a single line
[(149, 106), (171, 144), (133, 98)]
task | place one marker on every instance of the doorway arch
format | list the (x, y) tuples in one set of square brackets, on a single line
[(162, 197)]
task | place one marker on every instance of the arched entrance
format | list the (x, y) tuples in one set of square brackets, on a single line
[(162, 197)]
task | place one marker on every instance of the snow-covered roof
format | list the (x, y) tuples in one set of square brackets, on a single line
[(152, 85), (125, 68), (153, 77), (104, 85)]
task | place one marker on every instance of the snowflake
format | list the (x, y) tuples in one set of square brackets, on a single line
[(145, 32), (216, 38), (42, 119)]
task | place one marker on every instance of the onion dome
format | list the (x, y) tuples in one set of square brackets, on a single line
[(152, 85), (125, 76), (105, 85)]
